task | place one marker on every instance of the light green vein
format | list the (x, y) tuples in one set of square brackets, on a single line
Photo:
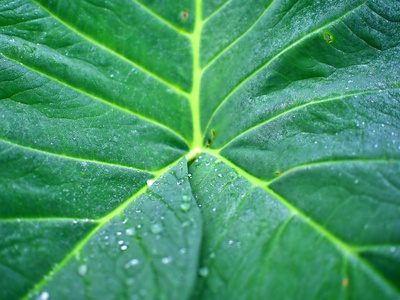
[(237, 39), (348, 250), (63, 156), (287, 48), (317, 164), (391, 248), (309, 103), (194, 98), (216, 11), (113, 52), (107, 102), (162, 20), (50, 219), (102, 222)]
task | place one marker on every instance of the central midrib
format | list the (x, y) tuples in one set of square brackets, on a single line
[(196, 77)]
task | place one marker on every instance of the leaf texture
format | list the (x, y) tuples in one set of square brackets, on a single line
[(200, 149)]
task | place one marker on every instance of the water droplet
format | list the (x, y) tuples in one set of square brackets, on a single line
[(166, 260), (124, 247), (120, 242), (84, 164), (214, 209), (179, 182), (356, 181), (44, 296), (185, 207), (185, 198), (139, 226), (138, 210), (74, 221), (392, 249), (203, 272), (119, 232), (156, 228), (150, 182), (130, 231), (124, 221), (182, 251), (132, 262), (82, 270), (219, 175), (230, 242)]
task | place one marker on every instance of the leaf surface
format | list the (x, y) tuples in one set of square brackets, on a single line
[(287, 113)]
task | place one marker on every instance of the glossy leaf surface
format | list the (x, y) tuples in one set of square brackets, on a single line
[(287, 113)]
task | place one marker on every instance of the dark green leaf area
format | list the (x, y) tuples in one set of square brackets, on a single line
[(232, 19), (181, 14), (254, 243), (312, 74), (359, 128), (357, 201), (29, 250), (43, 44), (283, 28), (148, 251), (38, 184), (131, 32), (40, 113)]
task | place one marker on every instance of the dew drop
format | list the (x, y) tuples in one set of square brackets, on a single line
[(179, 182), (138, 210), (82, 270), (124, 221), (130, 231), (119, 232), (185, 207), (150, 182), (203, 272), (44, 296), (166, 260), (156, 228), (185, 198), (182, 251), (131, 263), (230, 242), (124, 247)]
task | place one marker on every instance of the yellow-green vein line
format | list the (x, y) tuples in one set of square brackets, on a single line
[(107, 102), (113, 52), (161, 19), (277, 55)]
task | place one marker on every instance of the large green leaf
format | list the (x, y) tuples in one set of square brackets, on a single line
[(287, 113)]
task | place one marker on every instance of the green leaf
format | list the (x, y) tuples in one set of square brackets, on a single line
[(215, 149)]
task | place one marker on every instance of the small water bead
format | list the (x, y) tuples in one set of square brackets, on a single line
[(124, 247), (44, 296), (185, 198), (150, 182), (185, 207), (82, 270), (166, 260), (230, 242), (130, 231), (125, 221), (179, 182), (138, 210), (131, 263), (119, 232), (156, 228), (182, 251), (139, 226), (203, 272)]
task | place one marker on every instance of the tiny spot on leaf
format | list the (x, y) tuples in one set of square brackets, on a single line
[(277, 173), (184, 15), (328, 37), (345, 282), (208, 143), (213, 133)]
